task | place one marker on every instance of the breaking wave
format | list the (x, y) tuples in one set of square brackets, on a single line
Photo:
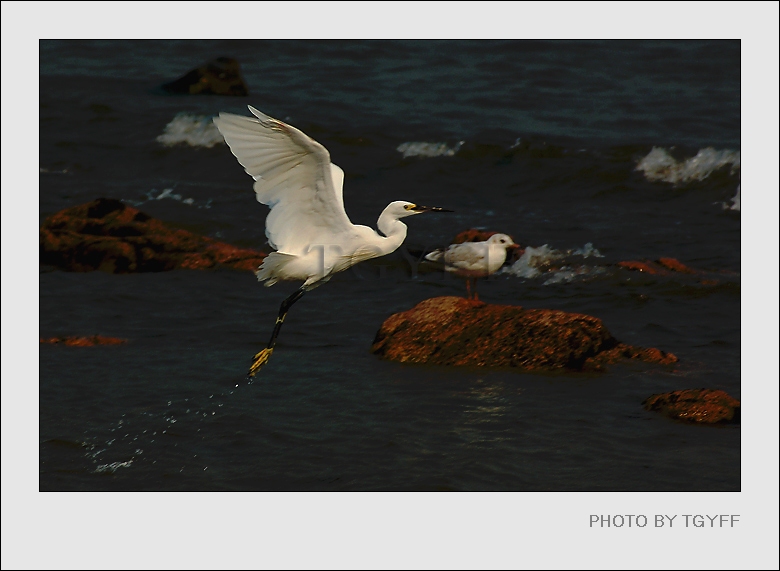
[(659, 165), (558, 266), (167, 193), (735, 200), (192, 130), (421, 149)]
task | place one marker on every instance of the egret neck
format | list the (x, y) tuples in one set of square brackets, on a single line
[(393, 229)]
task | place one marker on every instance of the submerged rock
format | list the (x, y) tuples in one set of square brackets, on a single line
[(85, 341), (707, 406), (108, 235), (456, 331), (662, 266), (221, 76), (621, 352)]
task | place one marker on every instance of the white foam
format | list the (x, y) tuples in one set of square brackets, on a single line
[(167, 193), (532, 259), (735, 200), (421, 149), (659, 165), (43, 170), (587, 251), (192, 130), (543, 261)]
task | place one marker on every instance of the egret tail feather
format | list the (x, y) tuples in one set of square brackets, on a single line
[(271, 270)]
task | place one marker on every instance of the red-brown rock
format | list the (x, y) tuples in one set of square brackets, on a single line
[(108, 235), (675, 265), (662, 266), (85, 341), (622, 352), (456, 331), (646, 267), (706, 406)]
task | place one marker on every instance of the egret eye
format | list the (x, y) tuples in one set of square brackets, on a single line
[(408, 206)]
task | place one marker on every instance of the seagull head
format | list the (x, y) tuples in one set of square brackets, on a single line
[(503, 240)]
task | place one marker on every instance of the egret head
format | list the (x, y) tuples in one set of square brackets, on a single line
[(401, 208)]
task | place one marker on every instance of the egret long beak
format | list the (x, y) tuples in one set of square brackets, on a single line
[(417, 208)]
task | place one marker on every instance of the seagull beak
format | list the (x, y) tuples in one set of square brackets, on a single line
[(417, 208)]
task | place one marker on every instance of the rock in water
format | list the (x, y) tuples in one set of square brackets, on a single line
[(108, 235), (221, 76), (90, 341), (456, 331), (705, 406)]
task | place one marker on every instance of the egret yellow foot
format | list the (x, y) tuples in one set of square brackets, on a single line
[(259, 360)]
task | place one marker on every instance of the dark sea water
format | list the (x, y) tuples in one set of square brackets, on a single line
[(601, 151)]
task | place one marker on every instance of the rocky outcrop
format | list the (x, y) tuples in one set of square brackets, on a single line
[(108, 235), (456, 331), (706, 406), (84, 341), (221, 76)]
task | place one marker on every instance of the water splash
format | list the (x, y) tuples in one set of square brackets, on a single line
[(659, 165), (167, 193), (532, 261), (587, 251), (192, 130), (113, 467), (735, 202), (421, 149), (555, 265)]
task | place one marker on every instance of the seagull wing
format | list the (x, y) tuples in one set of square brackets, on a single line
[(294, 176), (435, 256), (466, 256)]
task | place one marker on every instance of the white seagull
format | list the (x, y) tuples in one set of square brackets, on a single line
[(307, 224), (473, 260)]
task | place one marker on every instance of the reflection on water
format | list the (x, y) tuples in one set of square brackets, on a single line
[(482, 419)]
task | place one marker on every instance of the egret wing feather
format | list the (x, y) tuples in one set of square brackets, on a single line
[(294, 176)]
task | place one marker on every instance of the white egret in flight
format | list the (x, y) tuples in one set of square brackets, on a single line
[(472, 260), (307, 224)]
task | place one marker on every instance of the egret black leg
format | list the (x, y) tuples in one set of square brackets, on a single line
[(262, 357)]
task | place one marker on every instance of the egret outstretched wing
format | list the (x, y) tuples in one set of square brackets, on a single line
[(294, 176)]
